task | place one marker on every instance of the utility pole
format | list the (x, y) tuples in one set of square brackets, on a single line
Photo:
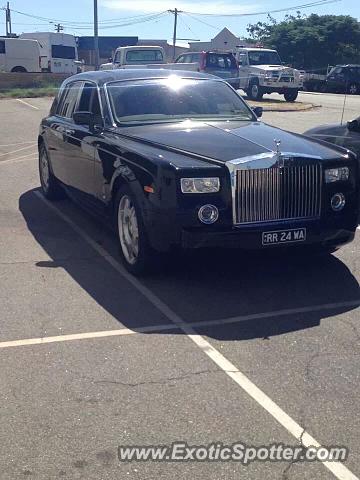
[(175, 12), (58, 28), (8, 20), (96, 36)]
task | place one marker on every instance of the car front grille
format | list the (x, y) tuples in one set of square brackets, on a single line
[(278, 193)]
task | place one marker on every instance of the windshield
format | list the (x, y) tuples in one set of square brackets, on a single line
[(264, 57), (174, 98), (139, 56)]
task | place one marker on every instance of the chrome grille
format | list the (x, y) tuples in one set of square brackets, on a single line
[(271, 194)]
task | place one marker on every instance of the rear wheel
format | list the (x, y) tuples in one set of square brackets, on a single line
[(135, 250), (255, 92), (49, 184), (291, 95)]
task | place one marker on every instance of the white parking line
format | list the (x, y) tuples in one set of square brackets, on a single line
[(27, 104), (30, 156), (338, 469), (15, 144), (171, 326), (18, 150)]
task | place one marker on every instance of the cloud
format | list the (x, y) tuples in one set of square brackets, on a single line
[(147, 6)]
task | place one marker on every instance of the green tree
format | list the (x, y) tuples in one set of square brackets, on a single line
[(313, 41)]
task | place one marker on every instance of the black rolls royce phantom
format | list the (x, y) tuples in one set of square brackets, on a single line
[(178, 159)]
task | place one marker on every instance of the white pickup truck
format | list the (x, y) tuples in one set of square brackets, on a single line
[(143, 57), (262, 71)]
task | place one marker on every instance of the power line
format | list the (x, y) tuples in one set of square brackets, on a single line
[(201, 21), (267, 12)]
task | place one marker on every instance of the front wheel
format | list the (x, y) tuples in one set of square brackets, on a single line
[(291, 95), (255, 92), (135, 250)]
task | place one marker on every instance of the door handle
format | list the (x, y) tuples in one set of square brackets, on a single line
[(69, 131)]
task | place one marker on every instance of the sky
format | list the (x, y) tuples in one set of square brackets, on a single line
[(190, 25)]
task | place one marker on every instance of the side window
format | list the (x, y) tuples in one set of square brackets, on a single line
[(180, 59), (117, 57), (2, 46), (68, 100), (89, 99), (195, 57), (85, 99)]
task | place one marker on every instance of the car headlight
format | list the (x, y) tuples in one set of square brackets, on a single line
[(336, 174), (200, 185)]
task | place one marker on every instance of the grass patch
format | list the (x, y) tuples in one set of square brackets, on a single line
[(29, 92)]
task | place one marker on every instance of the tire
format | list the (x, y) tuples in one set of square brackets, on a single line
[(254, 92), (50, 186), (353, 89), (135, 251), (291, 95), (19, 70)]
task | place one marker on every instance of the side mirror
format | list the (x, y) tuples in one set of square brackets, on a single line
[(258, 111), (84, 118), (354, 125), (110, 60), (94, 122)]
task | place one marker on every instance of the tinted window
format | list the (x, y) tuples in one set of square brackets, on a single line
[(139, 56), (175, 98), (180, 59), (221, 61), (2, 46), (68, 100), (60, 51), (89, 99)]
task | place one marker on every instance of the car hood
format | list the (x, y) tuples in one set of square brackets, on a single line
[(225, 141), (274, 68)]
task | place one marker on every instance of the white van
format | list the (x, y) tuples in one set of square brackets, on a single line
[(19, 55), (58, 51)]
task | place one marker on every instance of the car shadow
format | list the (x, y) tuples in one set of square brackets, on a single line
[(256, 288)]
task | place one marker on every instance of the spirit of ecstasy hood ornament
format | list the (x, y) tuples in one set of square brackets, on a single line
[(277, 145)]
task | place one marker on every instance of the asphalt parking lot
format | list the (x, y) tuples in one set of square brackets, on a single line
[(221, 347)]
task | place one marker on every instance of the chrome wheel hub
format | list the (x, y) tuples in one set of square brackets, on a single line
[(353, 89), (128, 229), (44, 170), (254, 91)]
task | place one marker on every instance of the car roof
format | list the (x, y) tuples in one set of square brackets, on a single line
[(105, 76)]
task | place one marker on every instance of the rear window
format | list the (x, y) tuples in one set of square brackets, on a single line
[(139, 56), (62, 51), (2, 46), (220, 60)]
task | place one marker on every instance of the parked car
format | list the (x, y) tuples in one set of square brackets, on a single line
[(182, 161), (345, 135), (340, 79), (20, 56), (58, 51), (221, 64), (262, 71), (143, 57)]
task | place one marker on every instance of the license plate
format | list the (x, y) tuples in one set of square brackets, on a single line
[(284, 236)]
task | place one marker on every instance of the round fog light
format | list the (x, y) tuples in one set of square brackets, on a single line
[(338, 202), (208, 214)]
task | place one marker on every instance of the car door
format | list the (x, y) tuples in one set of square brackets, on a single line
[(2, 56), (58, 123), (80, 146)]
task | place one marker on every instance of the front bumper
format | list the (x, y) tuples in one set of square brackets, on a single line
[(250, 237)]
